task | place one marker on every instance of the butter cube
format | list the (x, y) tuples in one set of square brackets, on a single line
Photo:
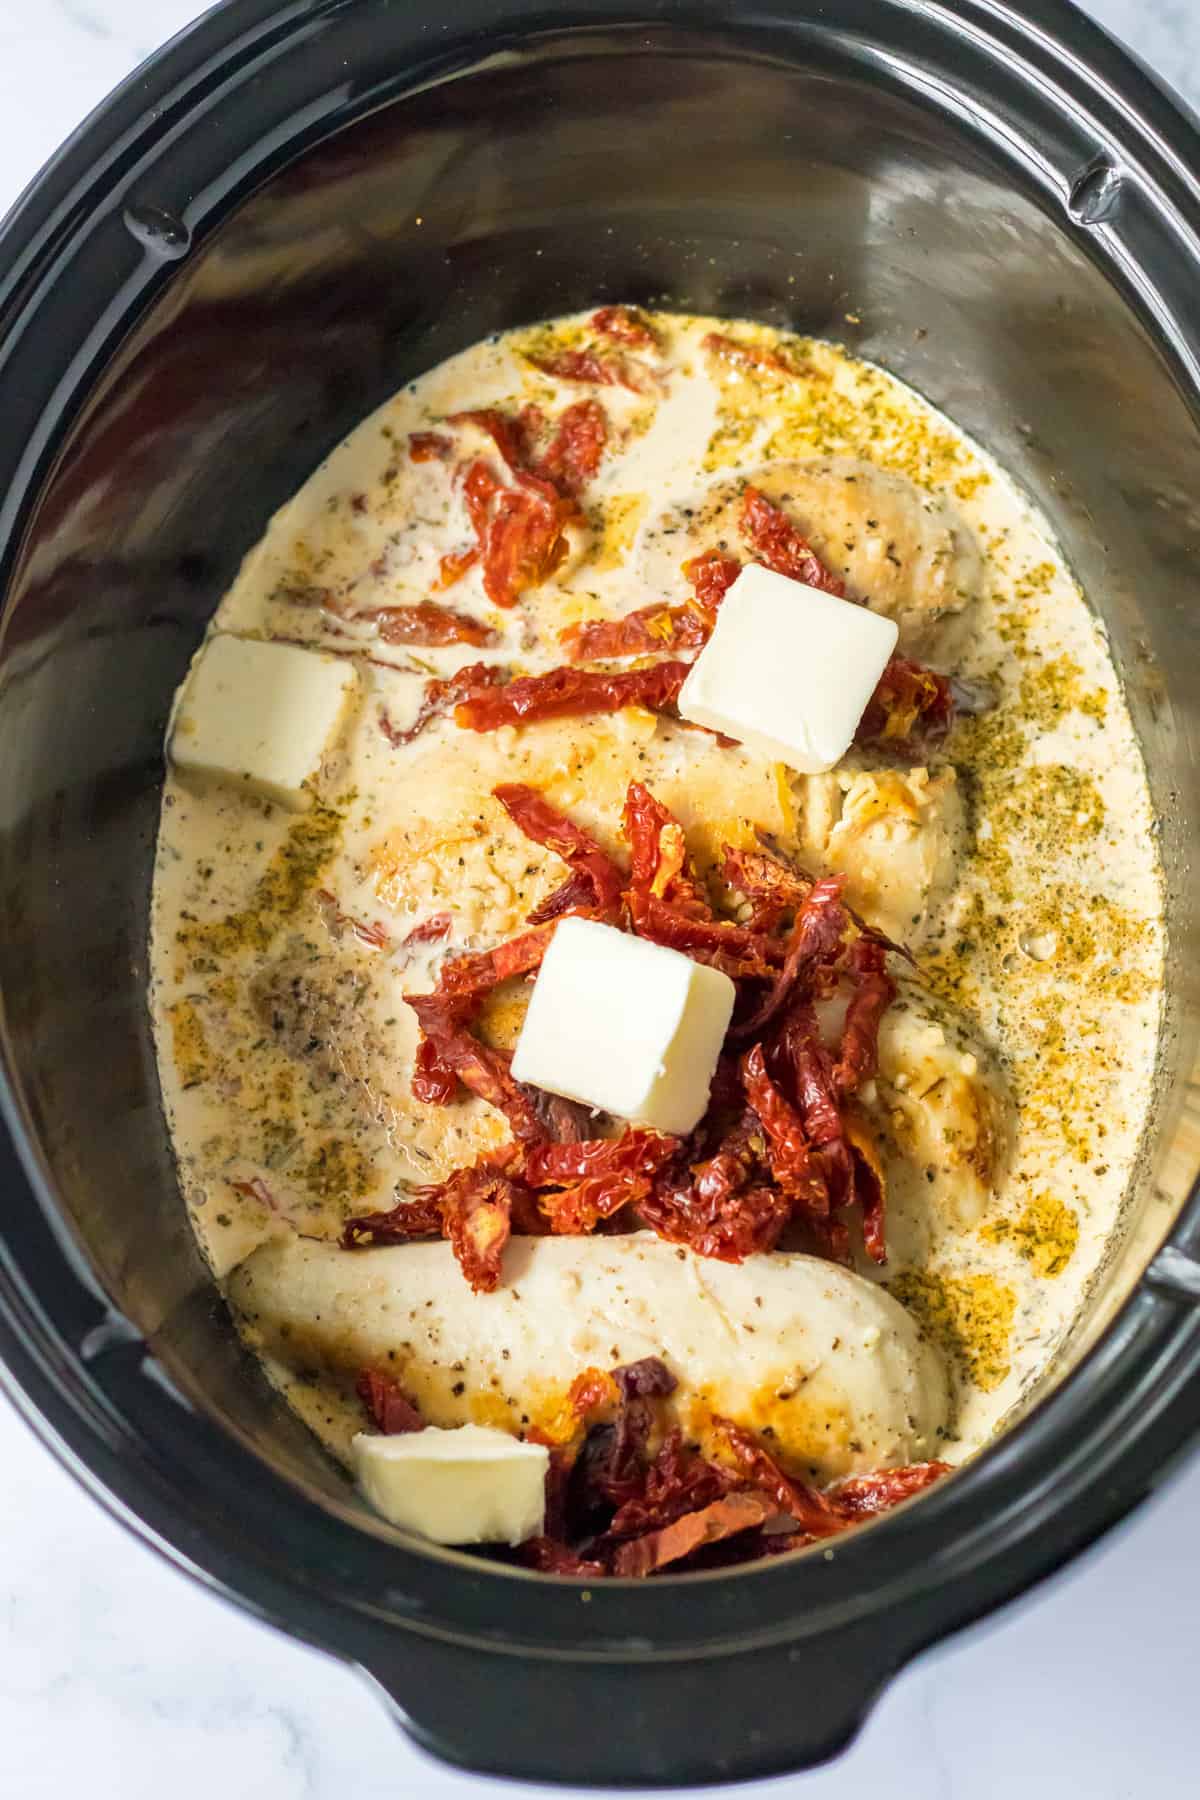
[(261, 715), (624, 1025), (469, 1485), (788, 670)]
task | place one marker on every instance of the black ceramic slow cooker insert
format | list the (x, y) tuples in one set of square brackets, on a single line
[(292, 210)]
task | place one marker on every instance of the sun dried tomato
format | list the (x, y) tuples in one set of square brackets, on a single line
[(772, 888), (778, 543), (256, 1189), (818, 931), (911, 708), (453, 566), (625, 326), (430, 930), (434, 1082), (475, 974), (426, 624), (711, 575), (551, 1557), (868, 1184), (651, 629), (524, 542), (569, 692), (720, 1519), (428, 446), (756, 359), (744, 1223), (442, 695), (576, 450), (416, 1218), (678, 1481), (592, 1389), (591, 367), (596, 1178), (505, 432), (811, 1510), (391, 1411), (812, 1078), (874, 991), (660, 873), (792, 1163), (480, 1068), (477, 1209), (598, 875), (739, 952), (862, 1496)]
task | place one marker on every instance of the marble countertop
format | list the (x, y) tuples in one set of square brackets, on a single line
[(120, 1678)]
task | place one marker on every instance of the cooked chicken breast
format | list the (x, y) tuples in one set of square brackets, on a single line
[(902, 552), (826, 1360)]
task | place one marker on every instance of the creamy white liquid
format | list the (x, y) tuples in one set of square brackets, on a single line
[(1049, 938)]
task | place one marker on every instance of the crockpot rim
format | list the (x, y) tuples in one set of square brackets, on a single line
[(1152, 1328)]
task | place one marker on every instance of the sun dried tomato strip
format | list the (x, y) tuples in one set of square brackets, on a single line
[(659, 866), (755, 359), (570, 692), (771, 886), (678, 1481), (415, 1218), (428, 446), (430, 930), (793, 1165), (442, 695), (434, 1081), (453, 566), (625, 326), (506, 433), (779, 544), (643, 633), (818, 932), (426, 624), (576, 450), (811, 1510), (391, 1411), (474, 975), (597, 1177), (720, 1519), (256, 1189), (862, 1496), (477, 1209), (911, 707), (874, 991), (591, 367), (550, 1557), (868, 1185), (801, 1046), (739, 952), (541, 822), (744, 1223), (711, 575), (483, 1070)]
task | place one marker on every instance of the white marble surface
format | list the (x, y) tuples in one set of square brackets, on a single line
[(121, 1680)]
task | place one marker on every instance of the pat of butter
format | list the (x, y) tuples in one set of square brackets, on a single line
[(261, 715), (625, 1025), (469, 1485), (788, 670)]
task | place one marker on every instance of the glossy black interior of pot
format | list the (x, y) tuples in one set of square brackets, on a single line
[(804, 185)]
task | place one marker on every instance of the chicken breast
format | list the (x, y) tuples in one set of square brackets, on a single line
[(828, 1362), (903, 552), (896, 834)]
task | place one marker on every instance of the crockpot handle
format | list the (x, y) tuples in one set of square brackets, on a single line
[(643, 1720)]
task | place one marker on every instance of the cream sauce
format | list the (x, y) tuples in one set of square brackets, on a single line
[(1032, 887)]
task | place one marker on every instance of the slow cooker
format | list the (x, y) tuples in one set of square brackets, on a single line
[(292, 210)]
